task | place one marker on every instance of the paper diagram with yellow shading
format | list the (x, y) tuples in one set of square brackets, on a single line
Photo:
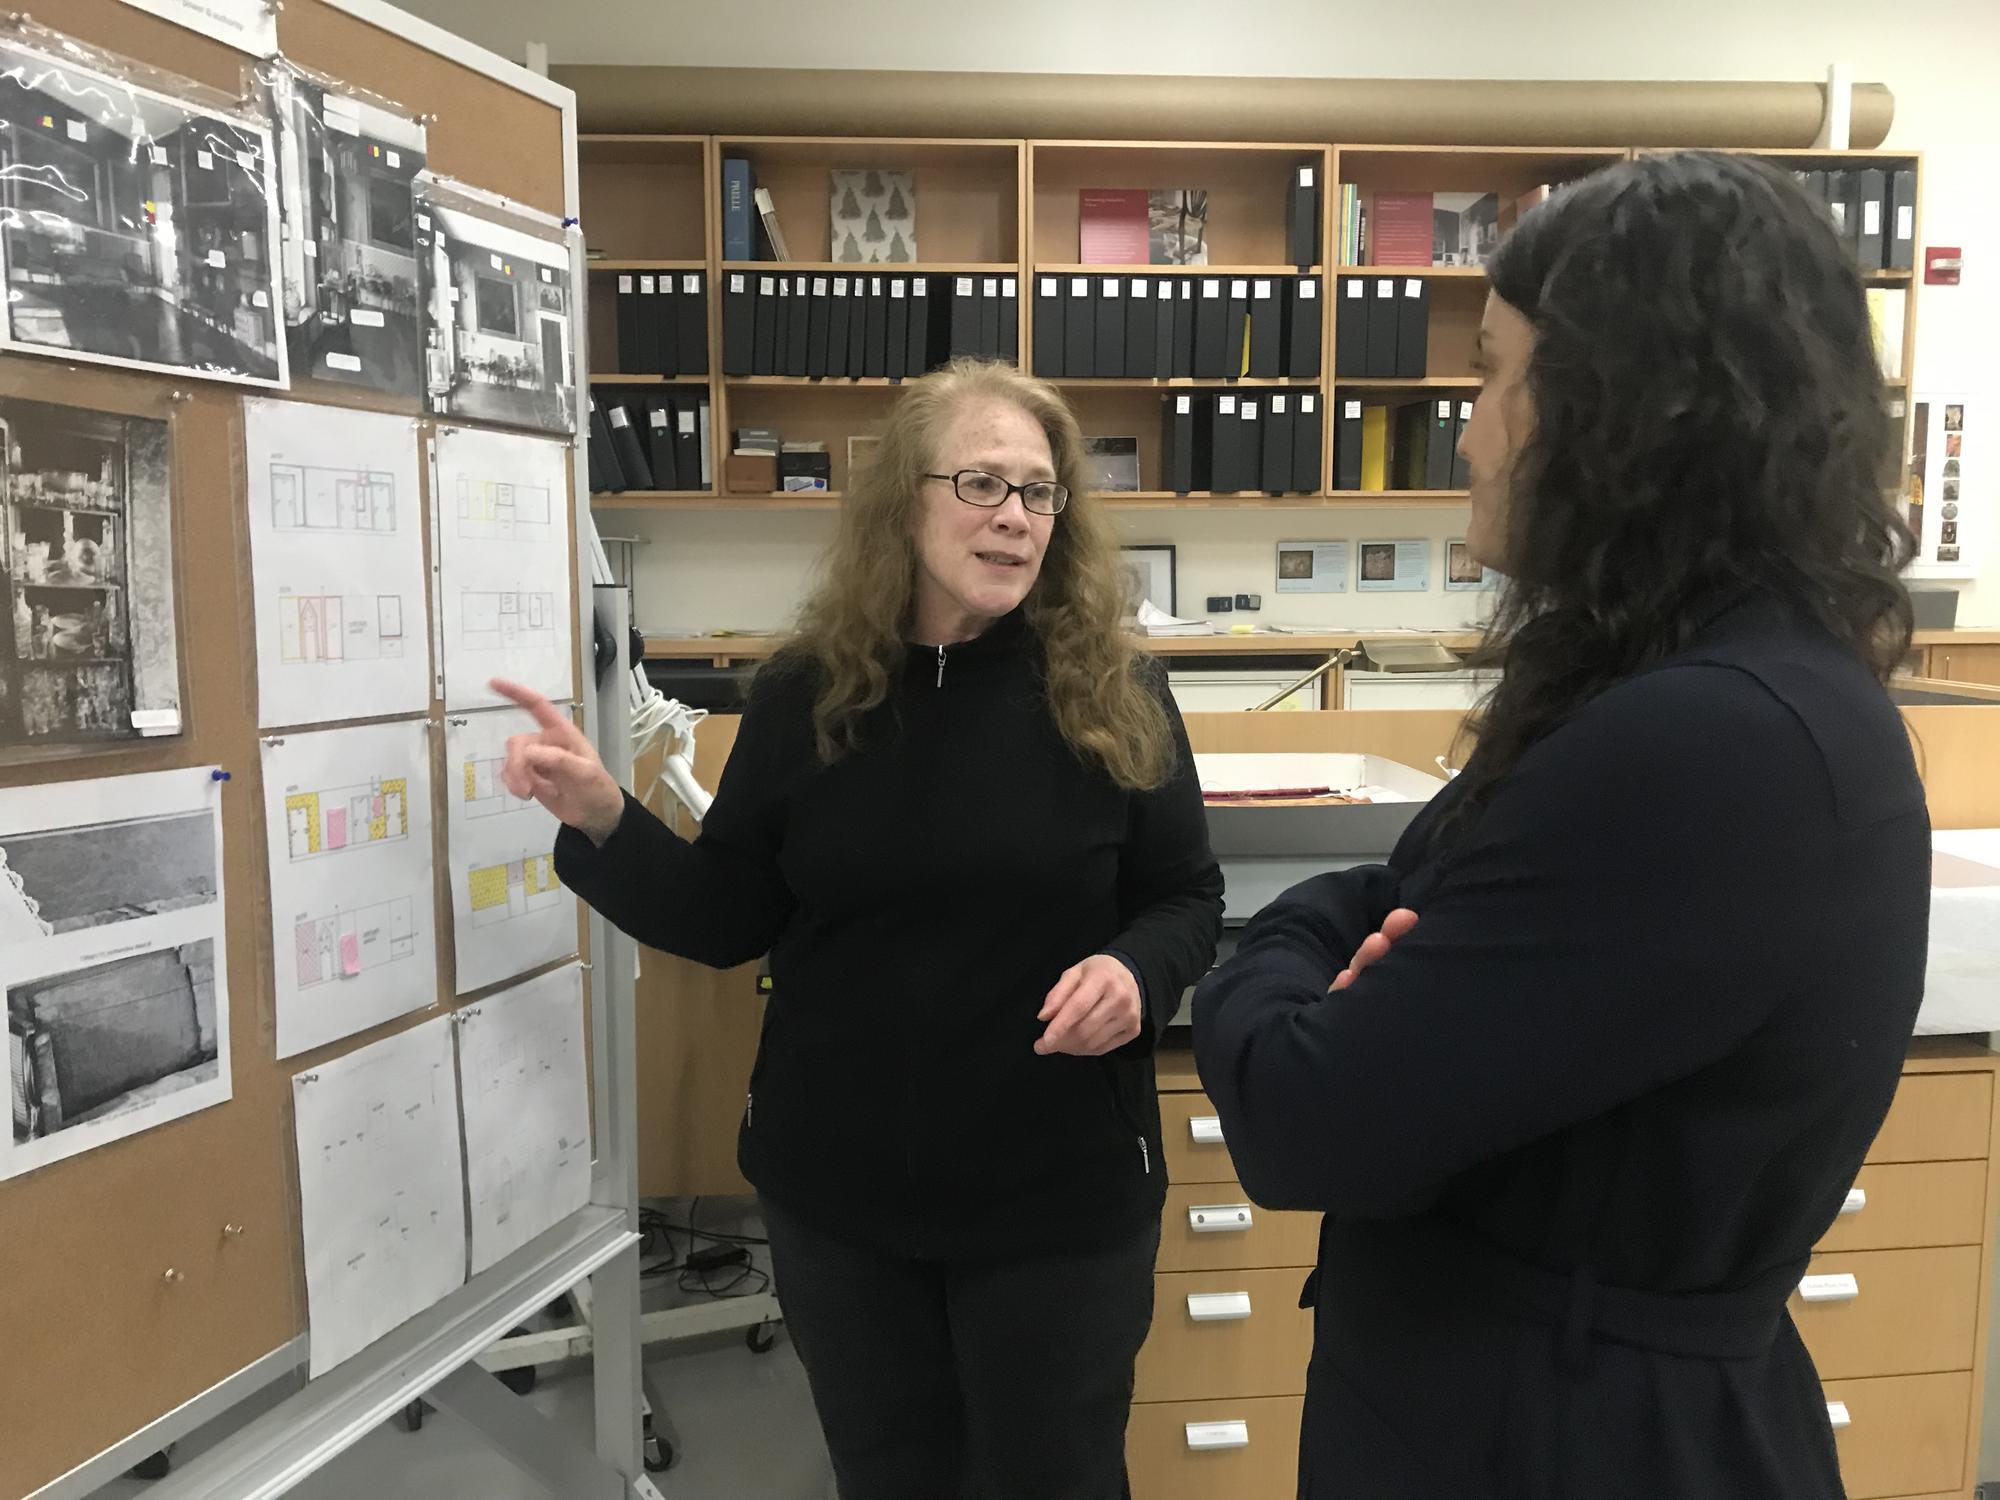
[(348, 819), (510, 912), (337, 563), (503, 529)]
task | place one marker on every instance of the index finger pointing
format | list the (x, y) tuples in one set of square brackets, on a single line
[(545, 713)]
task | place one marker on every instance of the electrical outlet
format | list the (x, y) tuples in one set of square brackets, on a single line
[(1249, 601), (1218, 604)]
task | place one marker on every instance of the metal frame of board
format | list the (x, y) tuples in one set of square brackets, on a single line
[(433, 1355)]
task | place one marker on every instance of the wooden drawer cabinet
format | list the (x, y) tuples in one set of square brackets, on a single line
[(1937, 1117), (1215, 1450), (1225, 1333), (1901, 1435), (1213, 1226), (1912, 1205), (1192, 1137), (1966, 663), (1914, 1312)]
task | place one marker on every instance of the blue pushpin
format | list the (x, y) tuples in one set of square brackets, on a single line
[(218, 775)]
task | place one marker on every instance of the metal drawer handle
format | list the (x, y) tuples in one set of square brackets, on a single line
[(1836, 1413), (1857, 1199), (1206, 1129), (1835, 1288), (1218, 1307), (1203, 1437), (1220, 1218)]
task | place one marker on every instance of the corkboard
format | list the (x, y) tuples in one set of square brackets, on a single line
[(98, 1343)]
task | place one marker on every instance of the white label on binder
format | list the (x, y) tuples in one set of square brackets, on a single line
[(667, 285), (1305, 176), (1249, 411), (496, 262), (1838, 1416), (77, 131), (767, 286), (1444, 410), (990, 287), (1139, 288), (896, 285), (691, 283), (1263, 292), (1187, 290), (819, 286), (1871, 216), (921, 289), (1857, 1199), (1009, 287), (1048, 286), (343, 362), (1225, 406), (1111, 286), (1308, 289), (1218, 1307), (625, 286), (964, 286), (1203, 1437), (1277, 405), (619, 417), (1840, 1287), (1839, 213), (423, 221), (658, 417), (160, 159), (247, 160), (1308, 405), (736, 282), (262, 298), (1385, 288), (1211, 289), (1239, 289), (1906, 221), (1182, 406), (646, 286), (1465, 411), (1356, 290), (1206, 1130), (1220, 1218), (203, 160), (394, 158), (686, 419), (365, 317), (874, 286), (840, 286), (1413, 289), (1079, 286), (217, 259)]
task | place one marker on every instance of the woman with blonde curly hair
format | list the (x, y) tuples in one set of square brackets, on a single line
[(962, 818)]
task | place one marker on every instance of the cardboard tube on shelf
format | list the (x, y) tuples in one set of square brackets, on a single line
[(1072, 106)]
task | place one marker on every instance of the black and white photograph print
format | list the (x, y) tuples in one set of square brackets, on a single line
[(1378, 561), (62, 880), (1113, 463), (873, 216), (1149, 577), (1177, 227), (497, 311), (136, 228), (88, 645), (1954, 418), (349, 248)]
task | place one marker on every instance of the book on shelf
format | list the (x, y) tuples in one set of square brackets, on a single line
[(1349, 253), (875, 328), (1142, 327), (805, 468), (660, 444), (1177, 227), (1464, 228), (1374, 447), (1459, 479), (1280, 413), (1079, 326), (1177, 442), (896, 342), (1303, 334), (1267, 329), (1236, 330), (602, 464), (1302, 217), (739, 323), (989, 317), (1165, 295), (627, 309), (917, 353), (1010, 320), (1900, 249), (629, 448), (739, 236), (873, 216), (1413, 328), (692, 324), (764, 329), (1113, 463), (818, 320), (1154, 621), (1112, 226), (839, 309), (1109, 321), (798, 326), (774, 234), (1887, 311), (1308, 444), (1048, 361), (1347, 446), (1401, 230)]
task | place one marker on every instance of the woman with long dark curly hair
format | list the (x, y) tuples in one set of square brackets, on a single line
[(1581, 1076)]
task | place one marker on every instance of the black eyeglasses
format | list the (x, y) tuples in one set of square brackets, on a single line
[(989, 491)]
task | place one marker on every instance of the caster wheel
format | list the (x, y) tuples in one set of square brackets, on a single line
[(411, 1417), (151, 1468), (520, 1381), (761, 1339), (659, 1455)]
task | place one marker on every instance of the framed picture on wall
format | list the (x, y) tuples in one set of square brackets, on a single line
[(1149, 575)]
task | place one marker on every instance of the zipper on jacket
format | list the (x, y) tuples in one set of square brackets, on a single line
[(1145, 1156), (750, 1109), (940, 679)]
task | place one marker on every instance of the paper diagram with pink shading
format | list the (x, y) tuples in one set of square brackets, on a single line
[(353, 932)]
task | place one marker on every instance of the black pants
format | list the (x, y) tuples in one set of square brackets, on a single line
[(978, 1380)]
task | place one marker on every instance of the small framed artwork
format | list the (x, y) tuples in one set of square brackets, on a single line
[(1312, 567), (1113, 463), (860, 453), (1149, 574), (1396, 567), (1463, 572)]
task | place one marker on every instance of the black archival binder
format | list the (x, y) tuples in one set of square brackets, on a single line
[(1165, 293), (1409, 446), (606, 478), (763, 357), (628, 326), (693, 302), (1459, 479), (964, 315), (819, 318), (1250, 450), (1225, 472), (1079, 327), (1306, 444), (1184, 324), (1303, 217), (1142, 327), (687, 442), (857, 327), (917, 351), (1010, 320), (1350, 328), (666, 328), (782, 323), (1236, 332), (1303, 333), (1872, 196), (1347, 446), (1267, 329), (660, 445), (630, 450), (1413, 328), (739, 324), (875, 336), (1048, 327), (1211, 328), (838, 306), (1849, 191), (1383, 305), (1900, 249), (896, 344), (1437, 464), (798, 335), (645, 356), (1275, 463), (1110, 357), (989, 317), (1177, 428)]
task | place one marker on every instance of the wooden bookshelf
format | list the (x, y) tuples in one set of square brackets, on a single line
[(1426, 273), (876, 268), (660, 500)]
